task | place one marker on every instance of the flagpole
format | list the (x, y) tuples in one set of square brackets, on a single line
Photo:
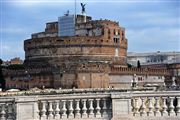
[(75, 8)]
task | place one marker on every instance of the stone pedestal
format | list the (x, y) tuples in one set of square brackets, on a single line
[(121, 105), (26, 108)]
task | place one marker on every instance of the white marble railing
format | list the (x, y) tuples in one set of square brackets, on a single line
[(156, 104), (7, 109), (75, 108), (99, 106)]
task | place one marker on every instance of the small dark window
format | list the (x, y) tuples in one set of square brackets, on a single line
[(114, 32)]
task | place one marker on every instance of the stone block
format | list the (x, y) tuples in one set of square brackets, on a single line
[(26, 108)]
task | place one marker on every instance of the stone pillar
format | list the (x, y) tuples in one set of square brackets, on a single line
[(50, 110), (27, 108), (121, 106), (57, 110), (43, 110), (91, 114), (104, 108), (157, 107), (71, 115), (164, 107), (150, 107), (64, 115), (2, 113), (171, 107), (143, 107), (98, 114), (10, 111), (136, 107), (77, 109), (178, 106), (84, 109)]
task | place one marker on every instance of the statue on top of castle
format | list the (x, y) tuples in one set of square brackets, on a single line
[(83, 8)]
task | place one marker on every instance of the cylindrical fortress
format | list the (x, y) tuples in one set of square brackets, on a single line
[(57, 50), (81, 60)]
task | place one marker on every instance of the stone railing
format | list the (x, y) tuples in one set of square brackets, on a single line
[(101, 106), (162, 105), (75, 107), (7, 109), (139, 71)]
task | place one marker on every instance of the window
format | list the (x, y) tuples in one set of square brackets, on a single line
[(116, 40)]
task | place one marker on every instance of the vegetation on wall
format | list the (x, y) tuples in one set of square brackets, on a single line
[(14, 67)]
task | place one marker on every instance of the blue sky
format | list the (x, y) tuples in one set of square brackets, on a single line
[(151, 25)]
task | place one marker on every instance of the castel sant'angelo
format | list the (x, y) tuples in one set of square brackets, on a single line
[(77, 51)]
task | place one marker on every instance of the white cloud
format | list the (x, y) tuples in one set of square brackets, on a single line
[(11, 50), (12, 30), (154, 39), (154, 18), (5, 48), (163, 21)]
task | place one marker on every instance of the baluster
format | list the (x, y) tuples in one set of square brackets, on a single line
[(57, 110), (97, 114), (171, 107), (71, 115), (143, 107), (14, 111), (43, 111), (10, 111), (77, 110), (178, 106), (136, 107), (110, 108), (50, 110), (150, 107), (84, 109), (91, 114), (157, 107), (64, 115), (104, 108), (3, 113), (164, 107)]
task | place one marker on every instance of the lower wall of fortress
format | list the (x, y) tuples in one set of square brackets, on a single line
[(82, 80)]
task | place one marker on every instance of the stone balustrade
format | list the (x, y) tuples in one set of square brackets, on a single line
[(7, 109), (159, 104), (75, 107), (113, 105)]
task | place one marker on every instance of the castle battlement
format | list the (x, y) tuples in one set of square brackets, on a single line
[(140, 71)]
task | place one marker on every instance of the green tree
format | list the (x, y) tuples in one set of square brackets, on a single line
[(138, 64), (129, 65), (2, 80)]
